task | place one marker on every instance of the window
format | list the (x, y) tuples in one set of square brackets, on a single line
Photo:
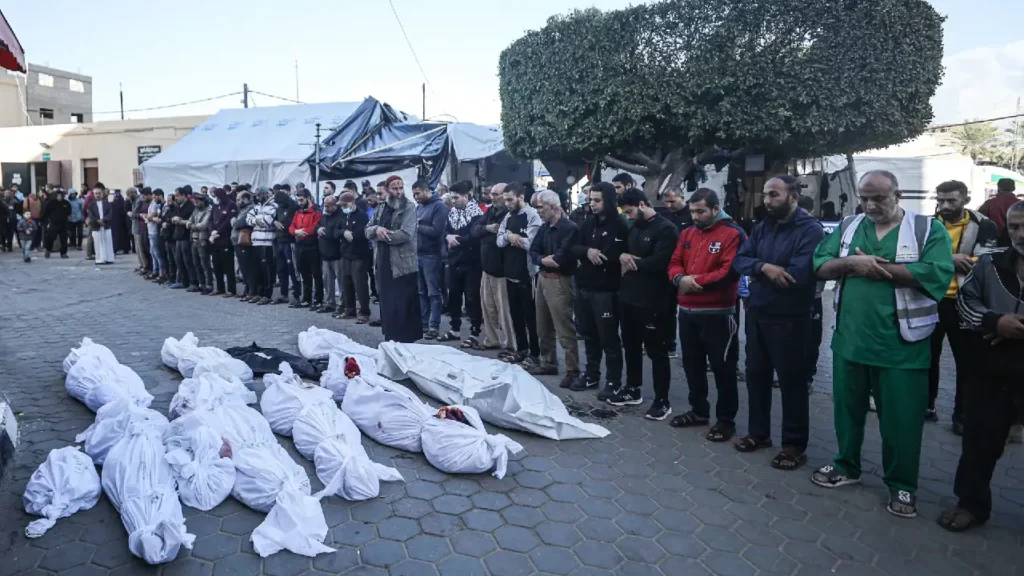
[(46, 113), (76, 85), (77, 118), (45, 80)]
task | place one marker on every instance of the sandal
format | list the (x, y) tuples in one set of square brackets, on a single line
[(902, 504), (828, 476), (689, 420), (472, 342), (789, 461), (751, 444), (957, 520), (721, 433), (448, 337)]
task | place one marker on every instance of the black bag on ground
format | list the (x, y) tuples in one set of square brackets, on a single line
[(268, 360)]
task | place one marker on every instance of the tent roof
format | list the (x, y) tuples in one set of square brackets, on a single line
[(276, 133), (474, 141)]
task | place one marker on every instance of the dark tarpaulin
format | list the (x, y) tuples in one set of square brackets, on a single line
[(268, 361), (12, 56), (376, 139)]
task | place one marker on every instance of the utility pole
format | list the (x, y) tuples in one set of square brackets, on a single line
[(316, 157), (245, 95), (1016, 137), (120, 87), (424, 87), (296, 80)]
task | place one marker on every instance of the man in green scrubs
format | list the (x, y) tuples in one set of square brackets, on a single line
[(872, 355)]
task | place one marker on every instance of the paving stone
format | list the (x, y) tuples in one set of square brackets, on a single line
[(491, 500), (758, 534), (427, 548), (528, 497), (532, 479), (286, 563), (20, 559), (423, 490), (238, 565), (106, 531), (66, 556), (473, 543), (461, 486), (599, 508), (522, 516), (769, 560), (400, 529), (565, 493), (730, 564), (461, 566), (336, 515), (554, 560), (215, 547), (371, 511), (241, 523), (681, 544), (598, 555), (561, 512), (516, 538), (337, 562), (112, 556), (638, 525), (188, 567), (412, 508), (796, 530), (678, 521), (809, 554), (567, 476), (601, 489), (441, 524), (672, 566), (640, 549), (484, 520), (451, 504), (503, 563), (558, 534), (202, 525), (599, 529), (353, 534), (383, 553)]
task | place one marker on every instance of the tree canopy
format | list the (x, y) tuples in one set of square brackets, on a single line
[(651, 87)]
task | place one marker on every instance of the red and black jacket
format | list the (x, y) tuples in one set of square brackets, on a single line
[(707, 255)]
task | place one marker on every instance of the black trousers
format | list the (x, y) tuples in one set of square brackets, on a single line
[(814, 345), (642, 330), (9, 230), (777, 345), (244, 255), (263, 270), (186, 267), (170, 260), (75, 234), (668, 325), (373, 281), (989, 409), (959, 343), (354, 287), (53, 233), (286, 269), (223, 267), (37, 238), (464, 284), (524, 316), (597, 324), (308, 265), (711, 337)]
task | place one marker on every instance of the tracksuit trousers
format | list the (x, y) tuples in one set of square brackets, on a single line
[(524, 316), (711, 337), (464, 284), (899, 395), (309, 267), (959, 343), (597, 323), (643, 329)]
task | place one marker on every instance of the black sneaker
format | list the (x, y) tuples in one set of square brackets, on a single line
[(430, 334), (280, 300), (627, 397), (659, 410), (902, 504), (828, 476), (584, 383), (375, 323), (609, 391), (930, 415)]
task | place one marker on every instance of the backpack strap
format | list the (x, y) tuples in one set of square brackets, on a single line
[(922, 228)]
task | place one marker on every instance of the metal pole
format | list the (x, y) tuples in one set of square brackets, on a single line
[(296, 80), (424, 87), (245, 95), (318, 200), (121, 88)]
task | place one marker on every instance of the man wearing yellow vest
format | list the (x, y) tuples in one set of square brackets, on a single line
[(891, 268), (971, 236)]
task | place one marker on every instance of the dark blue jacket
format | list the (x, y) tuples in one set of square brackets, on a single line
[(787, 244), (431, 218)]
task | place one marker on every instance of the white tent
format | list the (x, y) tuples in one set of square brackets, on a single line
[(259, 146)]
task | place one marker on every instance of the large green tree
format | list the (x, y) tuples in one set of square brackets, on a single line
[(656, 87)]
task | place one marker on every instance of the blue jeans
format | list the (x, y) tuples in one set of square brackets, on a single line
[(26, 247), (156, 256), (429, 274)]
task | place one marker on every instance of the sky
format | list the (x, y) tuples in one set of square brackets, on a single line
[(170, 52)]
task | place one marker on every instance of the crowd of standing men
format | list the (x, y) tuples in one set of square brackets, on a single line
[(630, 280)]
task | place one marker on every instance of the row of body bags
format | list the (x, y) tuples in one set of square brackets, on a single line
[(502, 394), (127, 439)]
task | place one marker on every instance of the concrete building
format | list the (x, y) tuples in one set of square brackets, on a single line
[(58, 97), (79, 155)]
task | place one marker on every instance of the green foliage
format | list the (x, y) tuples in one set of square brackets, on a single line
[(976, 140), (797, 78)]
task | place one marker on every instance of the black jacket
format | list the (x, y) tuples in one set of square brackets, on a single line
[(286, 208), (993, 290), (606, 233), (330, 242), (653, 242), (556, 241), (681, 220), (467, 253), (491, 260), (56, 213), (359, 247), (166, 228), (184, 212)]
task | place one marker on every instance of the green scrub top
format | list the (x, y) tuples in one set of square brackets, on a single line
[(867, 331)]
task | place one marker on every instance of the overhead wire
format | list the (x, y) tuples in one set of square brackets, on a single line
[(415, 57), (293, 101), (200, 101), (983, 121)]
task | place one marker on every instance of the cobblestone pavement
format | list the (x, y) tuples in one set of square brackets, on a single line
[(647, 499)]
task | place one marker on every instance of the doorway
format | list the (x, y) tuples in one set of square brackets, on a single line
[(90, 172)]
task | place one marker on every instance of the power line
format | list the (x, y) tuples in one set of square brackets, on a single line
[(1010, 117), (172, 105), (277, 97), (411, 49)]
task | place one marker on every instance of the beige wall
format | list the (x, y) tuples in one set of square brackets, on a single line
[(114, 145), (11, 109)]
